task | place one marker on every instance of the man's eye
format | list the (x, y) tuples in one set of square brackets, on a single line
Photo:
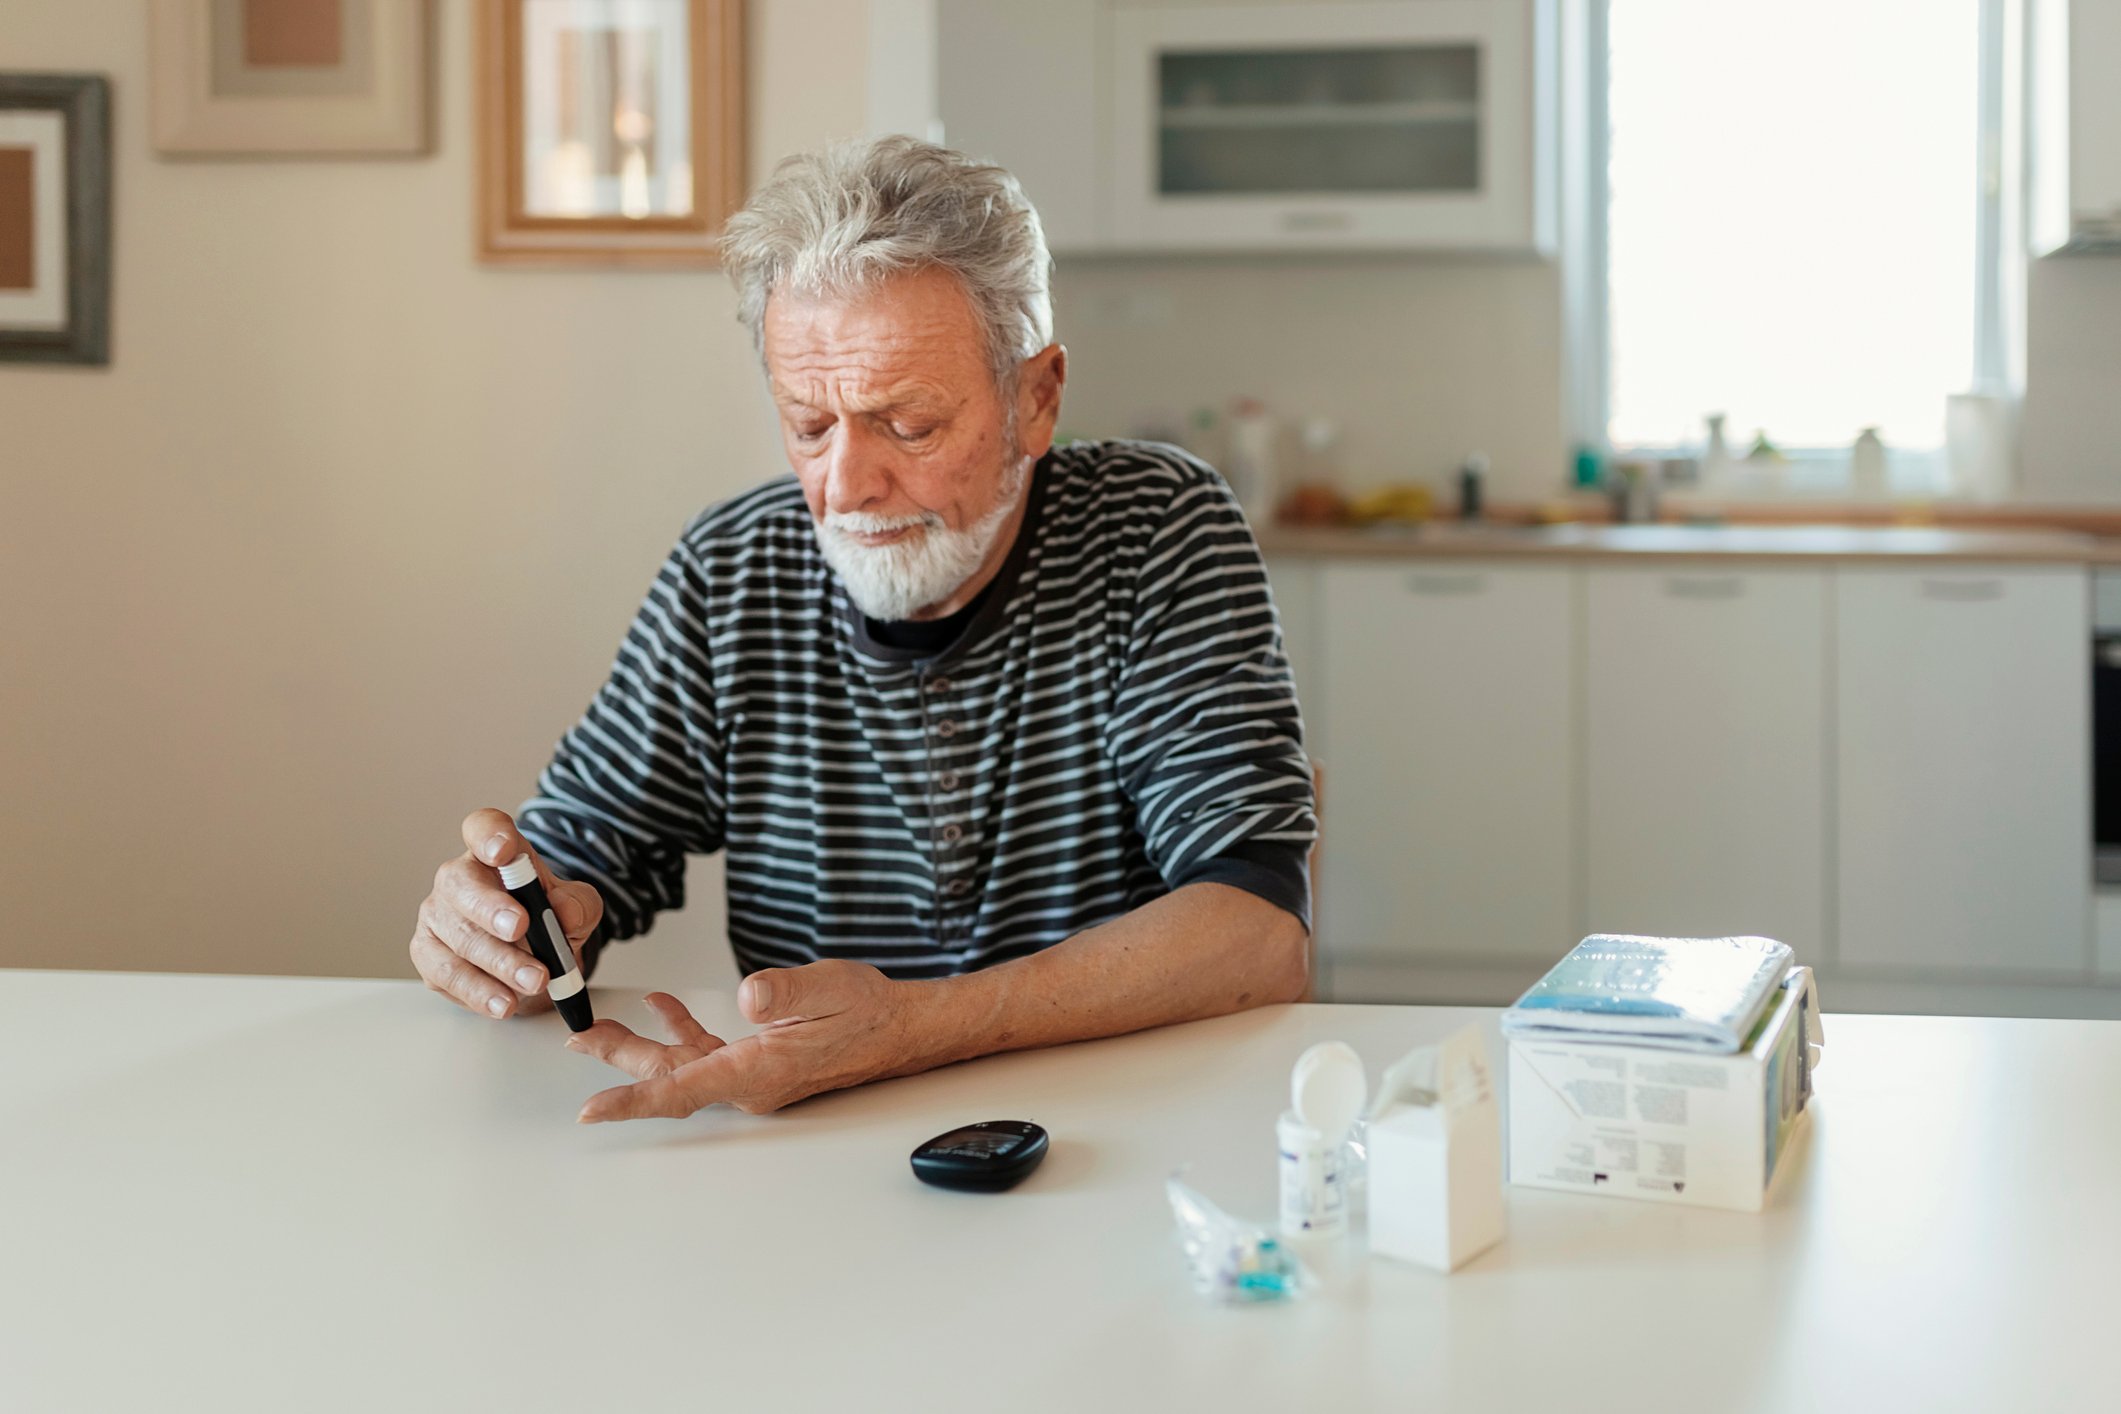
[(809, 434), (913, 434)]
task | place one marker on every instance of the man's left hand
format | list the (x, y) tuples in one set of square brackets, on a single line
[(822, 1026)]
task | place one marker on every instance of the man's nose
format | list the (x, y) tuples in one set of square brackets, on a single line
[(857, 471)]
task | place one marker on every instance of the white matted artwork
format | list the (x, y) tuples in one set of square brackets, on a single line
[(32, 220), (292, 78)]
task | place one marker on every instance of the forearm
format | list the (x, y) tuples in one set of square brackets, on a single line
[(1203, 950)]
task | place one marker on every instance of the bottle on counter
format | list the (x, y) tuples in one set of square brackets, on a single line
[(1718, 467), (1472, 480), (1248, 465), (1867, 478)]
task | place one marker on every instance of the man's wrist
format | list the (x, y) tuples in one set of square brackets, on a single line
[(948, 1019)]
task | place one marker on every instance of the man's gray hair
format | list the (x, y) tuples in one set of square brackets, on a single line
[(837, 221)]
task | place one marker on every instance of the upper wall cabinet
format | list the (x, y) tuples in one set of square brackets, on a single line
[(2095, 123), (1148, 127), (1374, 125)]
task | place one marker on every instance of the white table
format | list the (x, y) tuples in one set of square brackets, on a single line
[(236, 1193)]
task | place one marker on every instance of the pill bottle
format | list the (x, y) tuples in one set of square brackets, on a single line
[(1314, 1196)]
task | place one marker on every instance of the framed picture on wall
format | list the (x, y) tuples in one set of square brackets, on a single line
[(291, 78), (54, 218), (611, 132)]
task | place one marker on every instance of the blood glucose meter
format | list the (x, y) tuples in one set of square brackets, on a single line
[(983, 1158)]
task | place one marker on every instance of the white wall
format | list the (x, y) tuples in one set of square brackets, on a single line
[(348, 531), (1419, 361)]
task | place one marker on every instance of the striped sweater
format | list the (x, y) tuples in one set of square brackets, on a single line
[(1116, 720)]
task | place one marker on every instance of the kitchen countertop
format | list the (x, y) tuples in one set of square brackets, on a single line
[(1889, 545)]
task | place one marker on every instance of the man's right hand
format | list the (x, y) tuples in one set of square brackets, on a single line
[(468, 945)]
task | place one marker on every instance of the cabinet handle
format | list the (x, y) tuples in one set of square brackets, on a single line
[(1963, 591), (1448, 584), (1317, 220), (1722, 586)]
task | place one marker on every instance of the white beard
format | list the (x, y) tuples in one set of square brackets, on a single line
[(891, 583)]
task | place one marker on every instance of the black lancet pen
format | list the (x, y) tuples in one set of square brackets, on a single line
[(548, 943)]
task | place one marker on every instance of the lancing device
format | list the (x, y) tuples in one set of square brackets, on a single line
[(548, 943)]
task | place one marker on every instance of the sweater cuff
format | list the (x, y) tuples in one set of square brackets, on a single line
[(1275, 870)]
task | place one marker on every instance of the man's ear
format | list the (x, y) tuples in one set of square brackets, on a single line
[(1038, 398)]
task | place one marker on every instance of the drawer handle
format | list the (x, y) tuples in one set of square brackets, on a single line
[(1317, 220), (1448, 584), (1963, 591), (1701, 587)]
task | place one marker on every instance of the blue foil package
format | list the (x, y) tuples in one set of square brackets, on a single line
[(1687, 994)]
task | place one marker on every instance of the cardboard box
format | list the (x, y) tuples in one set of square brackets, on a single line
[(1434, 1142), (1663, 1125)]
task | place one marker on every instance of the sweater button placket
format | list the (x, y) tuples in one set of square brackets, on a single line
[(951, 883)]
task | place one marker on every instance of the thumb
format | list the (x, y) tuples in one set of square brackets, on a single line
[(578, 906), (777, 994)]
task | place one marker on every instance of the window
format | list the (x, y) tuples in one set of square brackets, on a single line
[(1795, 219)]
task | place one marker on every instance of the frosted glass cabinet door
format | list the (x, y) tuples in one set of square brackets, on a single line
[(1377, 124), (1962, 716), (1447, 714), (1705, 753)]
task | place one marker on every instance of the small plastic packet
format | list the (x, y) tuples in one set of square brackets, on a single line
[(1232, 1261)]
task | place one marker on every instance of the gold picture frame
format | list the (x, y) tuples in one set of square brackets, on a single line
[(291, 78), (611, 132)]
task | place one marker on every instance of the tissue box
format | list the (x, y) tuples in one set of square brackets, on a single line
[(1434, 1142), (1662, 1125)]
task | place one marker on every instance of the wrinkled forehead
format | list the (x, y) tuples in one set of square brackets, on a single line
[(908, 335)]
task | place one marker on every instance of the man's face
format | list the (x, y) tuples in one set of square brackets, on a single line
[(911, 462)]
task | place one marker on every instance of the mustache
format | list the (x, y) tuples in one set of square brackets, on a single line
[(864, 523)]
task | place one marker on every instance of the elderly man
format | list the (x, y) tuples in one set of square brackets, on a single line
[(997, 736)]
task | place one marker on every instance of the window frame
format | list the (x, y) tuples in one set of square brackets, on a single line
[(1998, 177)]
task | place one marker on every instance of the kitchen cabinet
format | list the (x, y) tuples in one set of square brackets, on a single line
[(1447, 729), (2095, 122), (1335, 126), (2106, 931), (1276, 126), (1705, 764), (1961, 747)]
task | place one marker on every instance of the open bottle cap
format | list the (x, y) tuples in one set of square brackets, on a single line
[(1328, 1088)]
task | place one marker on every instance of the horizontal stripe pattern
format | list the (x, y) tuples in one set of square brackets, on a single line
[(1118, 719)]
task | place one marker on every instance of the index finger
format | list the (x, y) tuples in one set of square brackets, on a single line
[(491, 838), (713, 1078)]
